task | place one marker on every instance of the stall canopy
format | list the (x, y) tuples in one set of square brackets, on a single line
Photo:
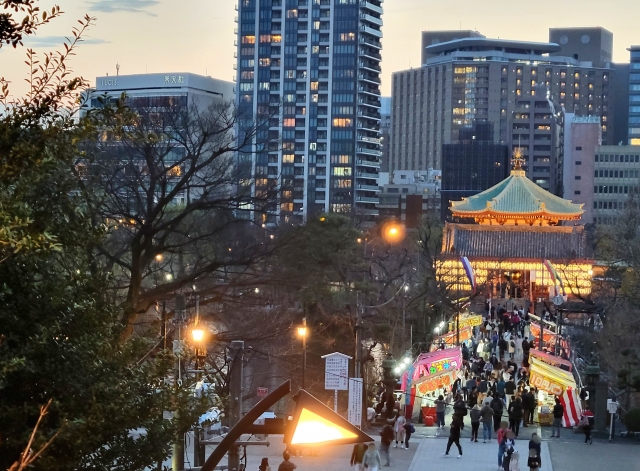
[(551, 360), (450, 338), (550, 378), (549, 336), (434, 363), (466, 320)]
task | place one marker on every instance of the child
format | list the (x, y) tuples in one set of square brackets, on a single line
[(371, 459), (534, 460), (514, 464)]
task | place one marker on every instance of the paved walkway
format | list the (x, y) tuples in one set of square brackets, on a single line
[(475, 456)]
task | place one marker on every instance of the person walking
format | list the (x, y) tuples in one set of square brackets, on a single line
[(497, 406), (509, 449), (558, 413), (475, 422), (454, 435), (409, 430), (586, 424), (515, 415), (398, 428), (487, 421), (502, 440), (441, 407), (371, 459), (264, 465), (357, 455), (386, 437), (460, 408)]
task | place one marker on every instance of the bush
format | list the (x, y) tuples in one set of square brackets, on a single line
[(632, 420)]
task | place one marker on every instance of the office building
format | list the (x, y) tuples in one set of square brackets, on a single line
[(536, 132), (430, 38), (410, 196), (472, 165), (616, 179), (312, 68), (582, 136), (477, 78), (634, 96), (158, 98)]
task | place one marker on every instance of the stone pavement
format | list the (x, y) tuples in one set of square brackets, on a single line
[(475, 456), (601, 456)]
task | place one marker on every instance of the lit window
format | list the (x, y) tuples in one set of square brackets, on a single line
[(342, 122), (276, 38), (248, 40)]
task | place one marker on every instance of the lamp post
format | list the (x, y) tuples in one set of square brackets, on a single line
[(303, 332)]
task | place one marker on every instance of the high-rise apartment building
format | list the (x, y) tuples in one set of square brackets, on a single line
[(385, 129), (313, 68), (480, 79), (634, 96)]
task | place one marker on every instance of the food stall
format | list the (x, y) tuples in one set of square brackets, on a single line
[(548, 336), (466, 320), (429, 373), (551, 360), (449, 339), (551, 382)]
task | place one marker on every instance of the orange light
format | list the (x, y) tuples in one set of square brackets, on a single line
[(312, 428), (197, 335), (159, 257), (393, 232), (302, 331)]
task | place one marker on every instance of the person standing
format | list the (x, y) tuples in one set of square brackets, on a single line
[(454, 435), (460, 408), (515, 415), (502, 439), (497, 406), (386, 437), (487, 421), (441, 407), (371, 460), (558, 413), (534, 462), (409, 430), (586, 423), (475, 416), (286, 465), (527, 400), (357, 455), (398, 428)]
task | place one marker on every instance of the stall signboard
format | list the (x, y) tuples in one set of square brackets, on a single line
[(429, 364), (428, 384), (549, 378), (551, 360), (466, 321), (450, 338), (549, 337)]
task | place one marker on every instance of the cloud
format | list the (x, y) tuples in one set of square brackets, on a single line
[(133, 6), (55, 41)]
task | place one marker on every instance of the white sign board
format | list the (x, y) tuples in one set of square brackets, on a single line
[(336, 371), (354, 415), (612, 406)]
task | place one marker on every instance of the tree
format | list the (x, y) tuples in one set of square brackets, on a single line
[(167, 183), (59, 335)]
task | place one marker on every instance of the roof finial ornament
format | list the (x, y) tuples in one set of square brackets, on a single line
[(517, 159)]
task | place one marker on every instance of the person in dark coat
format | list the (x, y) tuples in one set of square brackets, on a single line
[(515, 415), (460, 408), (527, 405), (498, 406), (454, 434)]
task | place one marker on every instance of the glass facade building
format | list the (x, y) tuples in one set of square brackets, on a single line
[(309, 72), (634, 96)]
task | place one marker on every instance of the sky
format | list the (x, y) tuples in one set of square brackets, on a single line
[(197, 35)]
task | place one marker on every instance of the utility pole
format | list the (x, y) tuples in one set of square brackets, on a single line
[(177, 455), (235, 398)]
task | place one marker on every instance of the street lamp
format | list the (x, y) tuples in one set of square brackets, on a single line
[(302, 333), (393, 232)]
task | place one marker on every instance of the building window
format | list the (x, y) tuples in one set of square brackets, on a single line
[(578, 162), (578, 177), (579, 148), (577, 192)]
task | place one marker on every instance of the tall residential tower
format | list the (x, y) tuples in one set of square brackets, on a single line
[(313, 68)]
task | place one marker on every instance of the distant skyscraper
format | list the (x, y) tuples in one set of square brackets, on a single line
[(481, 79), (313, 67), (634, 96), (472, 165), (385, 129)]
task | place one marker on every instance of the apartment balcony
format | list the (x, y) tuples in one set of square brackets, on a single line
[(373, 152), (371, 19), (364, 126), (369, 90), (372, 140), (366, 29), (369, 66), (366, 113), (364, 187), (370, 103), (370, 42), (367, 199), (370, 54), (369, 78), (371, 6), (364, 175)]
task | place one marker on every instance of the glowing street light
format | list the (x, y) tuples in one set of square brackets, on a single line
[(393, 232), (302, 333), (197, 334), (159, 257), (437, 330)]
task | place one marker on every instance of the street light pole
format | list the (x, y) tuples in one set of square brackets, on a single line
[(303, 332)]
